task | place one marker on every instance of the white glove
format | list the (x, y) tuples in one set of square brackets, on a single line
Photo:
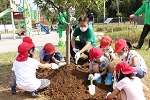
[(75, 50), (108, 94), (90, 76), (96, 76), (62, 64), (77, 56), (132, 15), (54, 66), (57, 61)]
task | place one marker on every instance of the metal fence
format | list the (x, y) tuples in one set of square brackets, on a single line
[(138, 20)]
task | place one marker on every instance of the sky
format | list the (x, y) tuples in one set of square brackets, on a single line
[(29, 1)]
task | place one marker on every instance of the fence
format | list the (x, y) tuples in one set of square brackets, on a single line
[(121, 20)]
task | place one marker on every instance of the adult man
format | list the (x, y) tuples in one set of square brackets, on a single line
[(145, 8), (86, 36)]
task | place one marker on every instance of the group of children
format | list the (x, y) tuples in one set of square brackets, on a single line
[(127, 73), (24, 66)]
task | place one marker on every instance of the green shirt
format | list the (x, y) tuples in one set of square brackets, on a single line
[(145, 8), (87, 36)]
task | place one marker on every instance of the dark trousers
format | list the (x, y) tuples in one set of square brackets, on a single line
[(57, 55), (145, 31), (79, 45)]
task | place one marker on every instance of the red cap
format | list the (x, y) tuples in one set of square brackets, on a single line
[(49, 48), (105, 41), (95, 52), (125, 68), (119, 45), (23, 49), (28, 40)]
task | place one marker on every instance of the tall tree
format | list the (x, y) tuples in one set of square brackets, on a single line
[(66, 5), (4, 4)]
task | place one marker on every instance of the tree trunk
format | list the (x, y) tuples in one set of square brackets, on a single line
[(68, 38)]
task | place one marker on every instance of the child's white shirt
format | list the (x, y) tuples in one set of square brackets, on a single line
[(132, 87), (104, 63), (26, 74), (140, 60)]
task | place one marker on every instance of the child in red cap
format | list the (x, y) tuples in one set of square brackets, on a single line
[(29, 40), (127, 83), (13, 77), (48, 54), (131, 57), (99, 66), (105, 46), (25, 67)]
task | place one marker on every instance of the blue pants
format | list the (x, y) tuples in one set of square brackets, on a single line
[(91, 24), (140, 73), (57, 55)]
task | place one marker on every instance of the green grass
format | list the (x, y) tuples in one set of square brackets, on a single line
[(3, 32), (6, 59)]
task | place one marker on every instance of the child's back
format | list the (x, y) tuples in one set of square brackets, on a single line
[(132, 87)]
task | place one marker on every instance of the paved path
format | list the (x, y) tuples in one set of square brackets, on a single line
[(8, 44)]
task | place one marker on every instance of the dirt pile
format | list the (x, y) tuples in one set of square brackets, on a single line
[(70, 83)]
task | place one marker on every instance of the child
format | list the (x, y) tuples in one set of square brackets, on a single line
[(48, 54), (13, 77), (99, 66), (128, 86), (105, 46), (25, 67), (131, 57)]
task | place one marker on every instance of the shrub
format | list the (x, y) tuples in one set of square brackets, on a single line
[(133, 35), (121, 31)]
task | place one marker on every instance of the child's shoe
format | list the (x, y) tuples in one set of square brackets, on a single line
[(33, 94), (108, 79), (13, 89)]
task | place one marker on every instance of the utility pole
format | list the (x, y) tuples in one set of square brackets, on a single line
[(104, 11)]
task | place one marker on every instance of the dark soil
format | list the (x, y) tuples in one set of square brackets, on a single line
[(70, 83)]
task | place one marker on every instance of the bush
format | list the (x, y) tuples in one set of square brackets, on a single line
[(133, 35), (108, 28), (121, 32)]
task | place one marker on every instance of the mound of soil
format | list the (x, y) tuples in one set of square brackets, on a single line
[(70, 83)]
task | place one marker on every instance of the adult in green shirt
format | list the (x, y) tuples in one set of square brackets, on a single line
[(86, 39), (145, 8)]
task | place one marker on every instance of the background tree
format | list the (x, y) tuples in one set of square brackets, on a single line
[(66, 5), (126, 7), (4, 4)]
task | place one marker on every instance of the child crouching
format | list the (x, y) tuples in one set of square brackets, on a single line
[(100, 66), (25, 67)]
